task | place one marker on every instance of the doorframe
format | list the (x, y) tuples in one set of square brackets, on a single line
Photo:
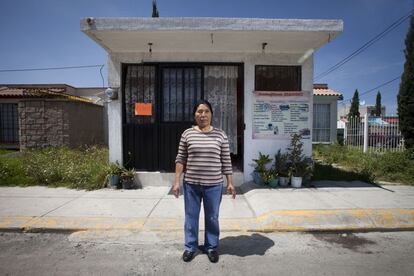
[(237, 160)]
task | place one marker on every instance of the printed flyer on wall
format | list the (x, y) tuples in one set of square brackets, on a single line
[(279, 114)]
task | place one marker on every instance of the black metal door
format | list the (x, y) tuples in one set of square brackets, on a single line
[(151, 141)]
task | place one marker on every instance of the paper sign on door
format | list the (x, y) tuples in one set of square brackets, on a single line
[(143, 109)]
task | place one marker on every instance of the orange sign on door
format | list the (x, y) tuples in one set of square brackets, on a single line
[(143, 109)]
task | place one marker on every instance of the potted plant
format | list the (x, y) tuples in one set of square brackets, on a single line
[(260, 168), (269, 177), (301, 166), (301, 170), (274, 180), (127, 179), (113, 173), (282, 165)]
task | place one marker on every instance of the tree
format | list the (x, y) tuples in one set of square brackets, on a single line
[(378, 105), (405, 96), (154, 9), (354, 110)]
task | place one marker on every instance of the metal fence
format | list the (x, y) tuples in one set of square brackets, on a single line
[(377, 135)]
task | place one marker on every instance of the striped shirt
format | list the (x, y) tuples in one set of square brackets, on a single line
[(205, 156)]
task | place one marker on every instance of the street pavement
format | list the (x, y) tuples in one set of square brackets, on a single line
[(323, 206), (159, 253)]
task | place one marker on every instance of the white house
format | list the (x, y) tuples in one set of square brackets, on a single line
[(257, 73), (325, 106)]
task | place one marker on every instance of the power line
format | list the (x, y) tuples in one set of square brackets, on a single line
[(375, 88), (366, 45), (100, 72), (52, 68)]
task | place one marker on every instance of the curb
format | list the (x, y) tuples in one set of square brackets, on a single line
[(338, 220)]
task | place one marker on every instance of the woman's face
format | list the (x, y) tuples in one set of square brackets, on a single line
[(203, 116)]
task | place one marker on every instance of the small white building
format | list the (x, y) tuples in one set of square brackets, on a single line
[(257, 73), (325, 106)]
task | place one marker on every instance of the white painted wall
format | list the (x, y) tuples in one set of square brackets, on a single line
[(251, 147)]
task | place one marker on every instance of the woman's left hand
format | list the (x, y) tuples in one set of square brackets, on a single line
[(231, 190)]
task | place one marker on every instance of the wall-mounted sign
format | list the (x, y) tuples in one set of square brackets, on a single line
[(143, 109), (279, 114)]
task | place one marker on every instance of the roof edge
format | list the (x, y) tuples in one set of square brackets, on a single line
[(209, 24)]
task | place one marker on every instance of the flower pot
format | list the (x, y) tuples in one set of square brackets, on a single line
[(273, 183), (127, 184), (257, 178), (296, 182), (114, 181), (283, 181)]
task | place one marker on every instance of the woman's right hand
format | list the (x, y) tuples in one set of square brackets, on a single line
[(176, 189)]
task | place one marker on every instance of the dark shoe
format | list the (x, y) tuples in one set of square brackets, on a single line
[(188, 256), (213, 256)]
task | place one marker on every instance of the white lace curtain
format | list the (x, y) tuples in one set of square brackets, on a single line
[(220, 88)]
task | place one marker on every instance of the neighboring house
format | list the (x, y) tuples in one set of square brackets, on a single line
[(343, 110), (325, 104), (257, 73), (50, 115), (341, 123), (392, 120)]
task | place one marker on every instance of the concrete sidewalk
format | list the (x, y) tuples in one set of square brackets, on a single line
[(327, 206)]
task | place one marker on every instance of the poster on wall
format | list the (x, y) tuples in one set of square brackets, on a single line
[(279, 114)]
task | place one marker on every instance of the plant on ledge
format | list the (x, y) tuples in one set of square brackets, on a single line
[(282, 167), (301, 166), (113, 173), (127, 178), (260, 168)]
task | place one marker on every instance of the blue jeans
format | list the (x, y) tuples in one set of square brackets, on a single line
[(211, 197)]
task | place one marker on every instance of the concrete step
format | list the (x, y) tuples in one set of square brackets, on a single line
[(144, 179)]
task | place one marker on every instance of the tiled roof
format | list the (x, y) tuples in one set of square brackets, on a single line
[(391, 120), (30, 92), (321, 89)]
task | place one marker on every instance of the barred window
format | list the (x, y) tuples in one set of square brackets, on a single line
[(321, 123), (277, 78), (9, 123)]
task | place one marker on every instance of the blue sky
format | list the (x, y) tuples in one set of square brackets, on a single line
[(46, 33)]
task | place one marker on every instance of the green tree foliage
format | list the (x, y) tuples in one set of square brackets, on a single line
[(354, 110), (406, 93), (378, 104), (154, 9)]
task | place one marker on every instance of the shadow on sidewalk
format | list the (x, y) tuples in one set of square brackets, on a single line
[(244, 245)]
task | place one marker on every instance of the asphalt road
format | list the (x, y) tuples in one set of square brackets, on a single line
[(151, 253)]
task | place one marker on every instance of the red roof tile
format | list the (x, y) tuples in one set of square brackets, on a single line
[(321, 89), (30, 92)]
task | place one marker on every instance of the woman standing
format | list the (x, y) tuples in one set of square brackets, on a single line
[(204, 155)]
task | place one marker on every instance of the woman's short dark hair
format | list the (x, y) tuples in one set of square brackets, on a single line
[(205, 102)]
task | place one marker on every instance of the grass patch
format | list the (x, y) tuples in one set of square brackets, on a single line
[(12, 172), (5, 151), (56, 167), (329, 172), (371, 167)]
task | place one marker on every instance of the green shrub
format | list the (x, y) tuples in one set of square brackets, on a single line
[(12, 172), (330, 154), (389, 166), (83, 168)]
